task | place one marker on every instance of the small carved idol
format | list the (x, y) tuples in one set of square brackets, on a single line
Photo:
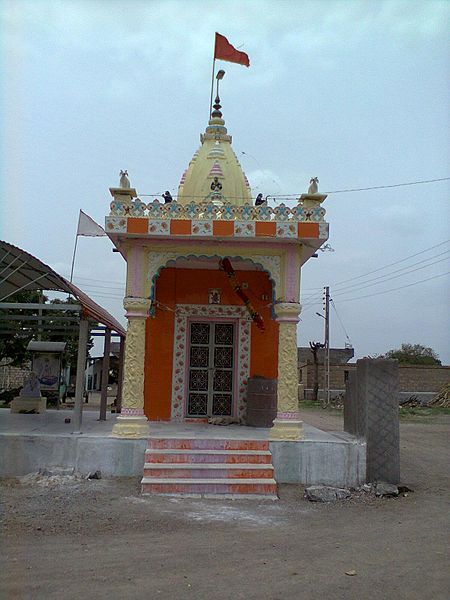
[(313, 187), (124, 181), (31, 387)]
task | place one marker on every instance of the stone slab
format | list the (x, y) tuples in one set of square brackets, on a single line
[(334, 462), (21, 403)]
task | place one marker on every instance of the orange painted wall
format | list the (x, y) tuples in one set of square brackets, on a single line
[(188, 286)]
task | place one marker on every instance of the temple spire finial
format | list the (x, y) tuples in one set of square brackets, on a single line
[(216, 113)]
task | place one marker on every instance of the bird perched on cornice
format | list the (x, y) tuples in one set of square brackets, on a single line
[(260, 200), (167, 197)]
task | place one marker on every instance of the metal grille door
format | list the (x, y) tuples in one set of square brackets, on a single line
[(211, 363)]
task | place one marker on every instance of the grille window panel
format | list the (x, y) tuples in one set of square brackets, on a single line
[(211, 369), (198, 404), (200, 333), (223, 334), (199, 356), (223, 381), (198, 380), (222, 404), (223, 357)]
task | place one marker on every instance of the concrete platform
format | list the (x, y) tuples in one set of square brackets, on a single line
[(31, 442)]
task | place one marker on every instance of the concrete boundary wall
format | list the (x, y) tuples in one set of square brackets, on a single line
[(22, 454)]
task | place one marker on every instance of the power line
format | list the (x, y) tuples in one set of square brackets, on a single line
[(340, 321), (364, 189), (390, 290), (380, 268), (384, 278), (395, 289), (350, 290), (394, 185)]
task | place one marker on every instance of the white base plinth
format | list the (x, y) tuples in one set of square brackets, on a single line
[(24, 404)]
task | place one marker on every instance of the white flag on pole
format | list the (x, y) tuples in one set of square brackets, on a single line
[(87, 226)]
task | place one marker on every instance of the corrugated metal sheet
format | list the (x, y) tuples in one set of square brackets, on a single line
[(21, 270)]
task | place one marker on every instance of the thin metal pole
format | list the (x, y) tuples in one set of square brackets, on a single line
[(41, 301), (73, 258), (212, 88), (105, 375), (327, 341), (81, 366)]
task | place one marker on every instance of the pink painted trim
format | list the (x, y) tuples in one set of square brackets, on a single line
[(291, 274), (288, 319), (132, 412), (255, 243), (288, 416), (138, 269), (140, 315)]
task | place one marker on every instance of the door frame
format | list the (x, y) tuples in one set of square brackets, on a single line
[(184, 315)]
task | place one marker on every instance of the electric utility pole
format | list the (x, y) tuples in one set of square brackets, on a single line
[(327, 342)]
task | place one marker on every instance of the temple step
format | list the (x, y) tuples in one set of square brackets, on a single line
[(200, 487), (171, 455), (206, 471), (209, 467), (207, 444)]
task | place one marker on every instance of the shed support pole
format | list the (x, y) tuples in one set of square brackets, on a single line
[(105, 375), (81, 366), (120, 375)]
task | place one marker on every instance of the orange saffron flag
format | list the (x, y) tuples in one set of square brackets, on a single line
[(223, 50)]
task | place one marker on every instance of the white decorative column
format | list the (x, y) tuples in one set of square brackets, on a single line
[(132, 423), (287, 425)]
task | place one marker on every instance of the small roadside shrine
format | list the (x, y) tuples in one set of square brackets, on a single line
[(212, 295)]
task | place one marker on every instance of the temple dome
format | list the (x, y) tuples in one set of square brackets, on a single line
[(214, 173)]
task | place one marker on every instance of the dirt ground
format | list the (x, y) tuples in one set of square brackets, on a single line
[(101, 539)]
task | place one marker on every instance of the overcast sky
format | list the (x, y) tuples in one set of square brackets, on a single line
[(355, 93)]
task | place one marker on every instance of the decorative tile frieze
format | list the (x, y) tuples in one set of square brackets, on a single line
[(244, 228), (323, 231), (116, 224), (287, 230), (220, 209), (202, 228), (159, 227)]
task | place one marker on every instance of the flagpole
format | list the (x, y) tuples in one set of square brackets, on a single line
[(212, 80), (75, 247), (212, 89), (73, 257)]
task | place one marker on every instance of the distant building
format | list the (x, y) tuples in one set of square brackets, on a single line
[(95, 365)]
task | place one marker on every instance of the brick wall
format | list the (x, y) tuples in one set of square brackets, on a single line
[(12, 377), (423, 378), (413, 378)]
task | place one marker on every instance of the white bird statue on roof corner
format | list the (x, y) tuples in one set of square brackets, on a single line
[(313, 187), (124, 181)]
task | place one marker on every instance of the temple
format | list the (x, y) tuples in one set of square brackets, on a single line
[(212, 293)]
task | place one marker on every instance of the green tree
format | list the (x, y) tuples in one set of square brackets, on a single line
[(414, 354), (17, 334)]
